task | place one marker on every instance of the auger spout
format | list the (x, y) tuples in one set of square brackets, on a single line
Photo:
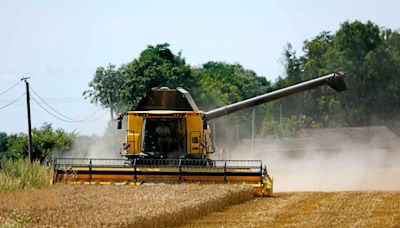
[(334, 80)]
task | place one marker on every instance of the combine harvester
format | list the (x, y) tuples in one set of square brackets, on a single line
[(168, 140)]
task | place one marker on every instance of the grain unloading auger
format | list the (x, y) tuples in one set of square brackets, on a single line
[(168, 140)]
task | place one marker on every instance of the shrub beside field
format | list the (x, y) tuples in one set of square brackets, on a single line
[(22, 174)]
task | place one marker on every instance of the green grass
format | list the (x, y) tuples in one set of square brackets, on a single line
[(22, 174)]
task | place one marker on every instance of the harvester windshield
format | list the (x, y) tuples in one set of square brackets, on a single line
[(164, 137)]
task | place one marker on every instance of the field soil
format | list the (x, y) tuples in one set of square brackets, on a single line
[(310, 209), (138, 206)]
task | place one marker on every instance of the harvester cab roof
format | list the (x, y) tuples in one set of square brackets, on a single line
[(165, 98)]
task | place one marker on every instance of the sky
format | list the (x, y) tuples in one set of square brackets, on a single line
[(59, 44)]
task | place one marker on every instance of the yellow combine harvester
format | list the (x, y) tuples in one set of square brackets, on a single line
[(168, 140)]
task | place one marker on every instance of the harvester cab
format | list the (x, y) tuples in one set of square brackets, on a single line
[(168, 140), (166, 124)]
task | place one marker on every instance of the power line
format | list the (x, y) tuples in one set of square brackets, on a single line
[(98, 117), (12, 102), (53, 100), (59, 113), (50, 112), (2, 102), (70, 119), (12, 87), (63, 117), (85, 119)]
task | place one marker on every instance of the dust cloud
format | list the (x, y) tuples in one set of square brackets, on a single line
[(330, 160), (107, 146), (91, 147)]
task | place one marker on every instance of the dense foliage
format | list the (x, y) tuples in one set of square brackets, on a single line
[(221, 84), (45, 141), (371, 57)]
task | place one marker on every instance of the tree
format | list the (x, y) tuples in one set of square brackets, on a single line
[(314, 61), (156, 66), (17, 146), (221, 84), (45, 141), (3, 142), (294, 73), (106, 87), (371, 58)]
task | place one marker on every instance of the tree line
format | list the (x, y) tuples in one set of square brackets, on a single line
[(368, 53), (371, 57)]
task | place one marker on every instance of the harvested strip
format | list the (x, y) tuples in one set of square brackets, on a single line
[(139, 206), (315, 209)]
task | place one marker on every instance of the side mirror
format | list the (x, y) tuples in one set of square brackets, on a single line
[(119, 119), (205, 124)]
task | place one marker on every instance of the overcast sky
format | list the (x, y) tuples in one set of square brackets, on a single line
[(59, 44)]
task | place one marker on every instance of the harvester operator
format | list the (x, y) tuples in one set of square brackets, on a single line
[(164, 138)]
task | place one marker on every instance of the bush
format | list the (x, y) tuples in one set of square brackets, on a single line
[(45, 141), (22, 174)]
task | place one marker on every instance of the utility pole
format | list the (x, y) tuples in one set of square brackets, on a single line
[(214, 133), (28, 107), (111, 106), (112, 119), (253, 131)]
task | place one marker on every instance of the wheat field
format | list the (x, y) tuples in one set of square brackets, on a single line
[(99, 205), (310, 209), (195, 206)]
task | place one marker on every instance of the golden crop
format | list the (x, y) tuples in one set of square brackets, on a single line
[(311, 209), (195, 206), (139, 206)]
